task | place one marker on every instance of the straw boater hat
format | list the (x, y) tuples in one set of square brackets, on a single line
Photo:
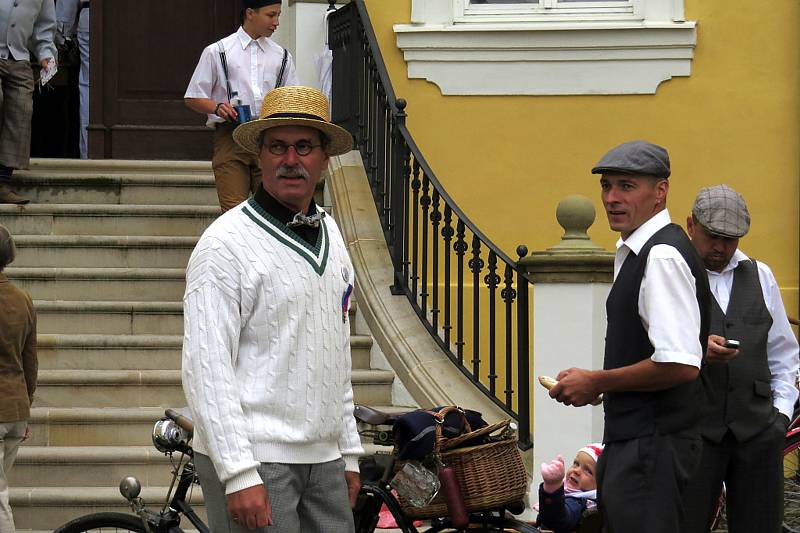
[(294, 106)]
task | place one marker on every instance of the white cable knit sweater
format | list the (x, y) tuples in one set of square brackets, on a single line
[(266, 352)]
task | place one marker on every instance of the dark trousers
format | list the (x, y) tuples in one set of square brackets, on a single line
[(753, 476), (640, 482), (16, 109)]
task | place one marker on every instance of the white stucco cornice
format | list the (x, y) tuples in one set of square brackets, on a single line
[(548, 58)]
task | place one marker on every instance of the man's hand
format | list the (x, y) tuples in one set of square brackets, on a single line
[(353, 480), (249, 508), (44, 62), (553, 474), (28, 433), (717, 352), (575, 387)]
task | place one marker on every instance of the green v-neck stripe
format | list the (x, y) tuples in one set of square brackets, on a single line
[(290, 239)]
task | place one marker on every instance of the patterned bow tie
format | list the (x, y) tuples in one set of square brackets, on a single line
[(304, 220)]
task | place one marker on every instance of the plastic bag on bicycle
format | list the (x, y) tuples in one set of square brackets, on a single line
[(415, 432)]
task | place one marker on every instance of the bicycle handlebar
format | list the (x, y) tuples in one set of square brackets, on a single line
[(181, 420)]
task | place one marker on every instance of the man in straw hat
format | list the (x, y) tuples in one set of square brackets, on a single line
[(266, 354), (751, 389), (657, 313), (232, 76)]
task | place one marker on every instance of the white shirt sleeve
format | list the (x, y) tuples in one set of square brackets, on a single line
[(668, 308), (204, 77), (783, 353), (212, 322)]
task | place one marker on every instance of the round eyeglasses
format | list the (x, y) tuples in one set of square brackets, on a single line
[(302, 147)]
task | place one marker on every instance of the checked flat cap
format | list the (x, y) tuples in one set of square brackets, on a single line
[(635, 157), (722, 211)]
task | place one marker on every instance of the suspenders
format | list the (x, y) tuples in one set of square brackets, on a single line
[(223, 60)]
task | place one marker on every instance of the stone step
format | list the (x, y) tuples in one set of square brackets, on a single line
[(51, 167), (108, 388), (109, 251), (138, 352), (127, 284), (65, 187), (148, 388), (93, 426), (109, 352), (89, 466), (109, 317), (45, 508), (110, 219)]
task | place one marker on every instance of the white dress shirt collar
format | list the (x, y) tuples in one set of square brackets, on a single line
[(245, 39), (642, 234), (736, 258)]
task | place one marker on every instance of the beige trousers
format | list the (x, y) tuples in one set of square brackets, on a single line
[(236, 171), (10, 437)]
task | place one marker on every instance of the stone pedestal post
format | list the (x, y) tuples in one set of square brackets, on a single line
[(571, 281)]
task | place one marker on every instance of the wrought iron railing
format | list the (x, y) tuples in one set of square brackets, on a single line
[(472, 298)]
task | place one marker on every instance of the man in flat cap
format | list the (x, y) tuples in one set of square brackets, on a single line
[(751, 390), (658, 323), (231, 78), (266, 352)]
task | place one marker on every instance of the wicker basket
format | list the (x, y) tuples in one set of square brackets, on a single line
[(491, 475)]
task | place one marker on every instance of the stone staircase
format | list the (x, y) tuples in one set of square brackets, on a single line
[(102, 250)]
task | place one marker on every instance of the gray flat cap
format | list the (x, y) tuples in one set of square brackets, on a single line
[(722, 211), (635, 157)]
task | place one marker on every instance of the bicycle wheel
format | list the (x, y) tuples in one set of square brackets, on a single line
[(791, 484), (108, 522)]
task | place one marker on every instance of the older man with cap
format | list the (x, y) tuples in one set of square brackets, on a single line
[(229, 83), (266, 352), (751, 390), (657, 313)]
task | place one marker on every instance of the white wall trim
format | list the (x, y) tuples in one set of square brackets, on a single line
[(547, 57)]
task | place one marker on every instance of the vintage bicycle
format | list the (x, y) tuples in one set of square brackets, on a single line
[(171, 435)]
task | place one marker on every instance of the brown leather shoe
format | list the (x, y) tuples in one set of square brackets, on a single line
[(9, 196)]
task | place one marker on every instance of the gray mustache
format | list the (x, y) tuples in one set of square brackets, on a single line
[(292, 171)]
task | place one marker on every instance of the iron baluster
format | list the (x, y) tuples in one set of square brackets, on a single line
[(461, 248), (399, 200), (425, 201), (509, 294), (492, 280), (476, 265), (523, 355), (415, 186), (436, 217), (447, 233)]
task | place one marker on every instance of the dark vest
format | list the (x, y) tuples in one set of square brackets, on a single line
[(670, 411), (739, 393)]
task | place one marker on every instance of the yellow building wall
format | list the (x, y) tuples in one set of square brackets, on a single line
[(507, 161)]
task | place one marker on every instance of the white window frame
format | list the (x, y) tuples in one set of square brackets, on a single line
[(613, 47), (464, 11)]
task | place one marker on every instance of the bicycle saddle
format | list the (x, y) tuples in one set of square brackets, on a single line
[(368, 415)]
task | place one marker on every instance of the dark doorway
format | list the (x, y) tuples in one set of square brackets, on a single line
[(142, 54)]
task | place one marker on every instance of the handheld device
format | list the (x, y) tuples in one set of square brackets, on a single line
[(732, 344)]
